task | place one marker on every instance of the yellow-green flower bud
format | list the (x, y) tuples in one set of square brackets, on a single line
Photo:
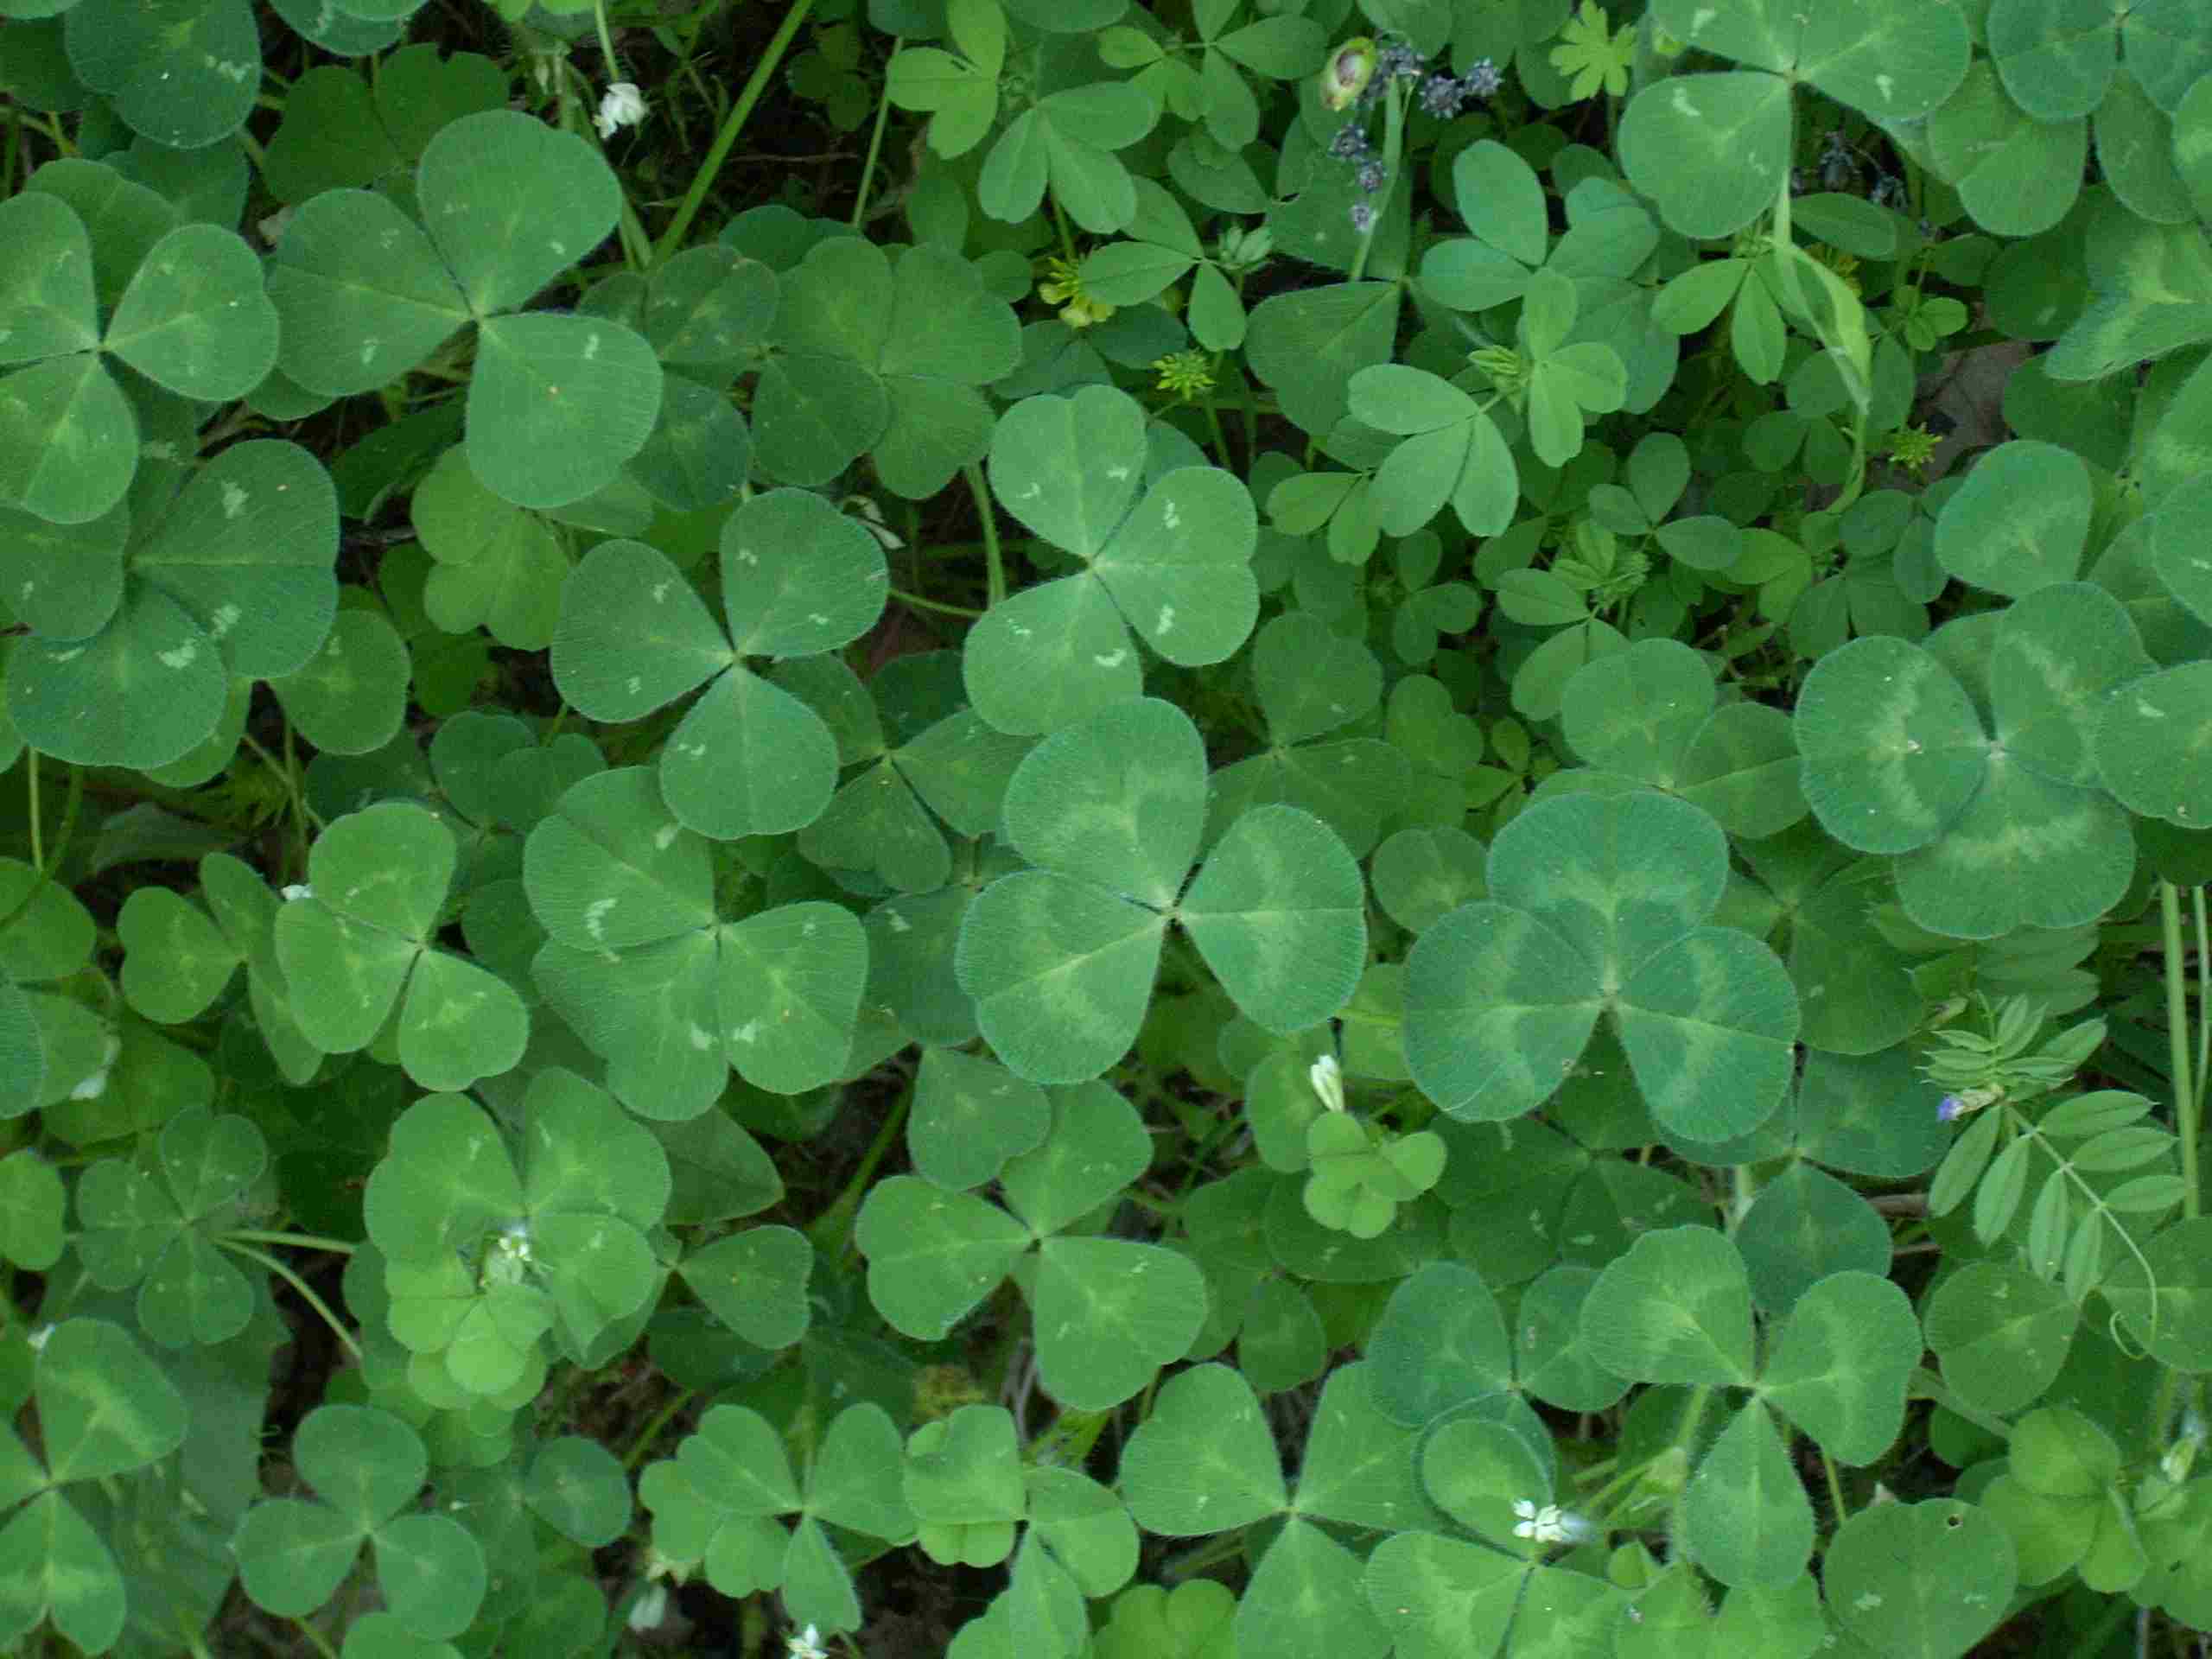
[(1348, 69)]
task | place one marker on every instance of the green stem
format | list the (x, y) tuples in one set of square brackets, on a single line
[(874, 145), (299, 1284), (297, 1240), (650, 1432), (1220, 437), (38, 842), (2203, 999), (993, 557), (2177, 1046), (1836, 1486), (320, 1642), (69, 807), (921, 604), (1926, 1385), (1394, 139), (832, 1231), (771, 59)]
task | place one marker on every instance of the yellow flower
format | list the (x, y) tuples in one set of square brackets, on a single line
[(1187, 374), (1063, 287)]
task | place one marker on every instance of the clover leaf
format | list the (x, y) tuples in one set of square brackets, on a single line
[(641, 965), (1599, 903), (1061, 957), (1712, 150), (194, 319), (883, 820), (164, 1230), (481, 1259), (717, 1500), (887, 361), (367, 1468), (1649, 716), (359, 946), (1996, 830), (556, 404), (1174, 565), (798, 578), (1311, 681), (232, 579), (104, 1409), (1110, 1312)]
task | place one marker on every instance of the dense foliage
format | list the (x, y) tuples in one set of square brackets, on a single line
[(1093, 829)]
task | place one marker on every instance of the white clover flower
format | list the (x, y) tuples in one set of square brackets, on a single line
[(623, 107), (808, 1645), (649, 1608), (511, 1256), (1550, 1524), (1328, 1080), (95, 1084)]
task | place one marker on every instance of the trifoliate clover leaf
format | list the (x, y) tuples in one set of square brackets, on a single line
[(798, 578), (366, 1467), (104, 1409), (882, 359), (1999, 828), (557, 402), (643, 968), (1173, 562), (194, 319), (717, 1502), (1060, 958), (1311, 681), (478, 1255), (360, 948), (1602, 904), (164, 1229), (232, 579)]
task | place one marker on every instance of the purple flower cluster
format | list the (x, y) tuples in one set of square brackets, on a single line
[(1440, 95)]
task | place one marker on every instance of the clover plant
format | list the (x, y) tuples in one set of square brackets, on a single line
[(1105, 829)]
